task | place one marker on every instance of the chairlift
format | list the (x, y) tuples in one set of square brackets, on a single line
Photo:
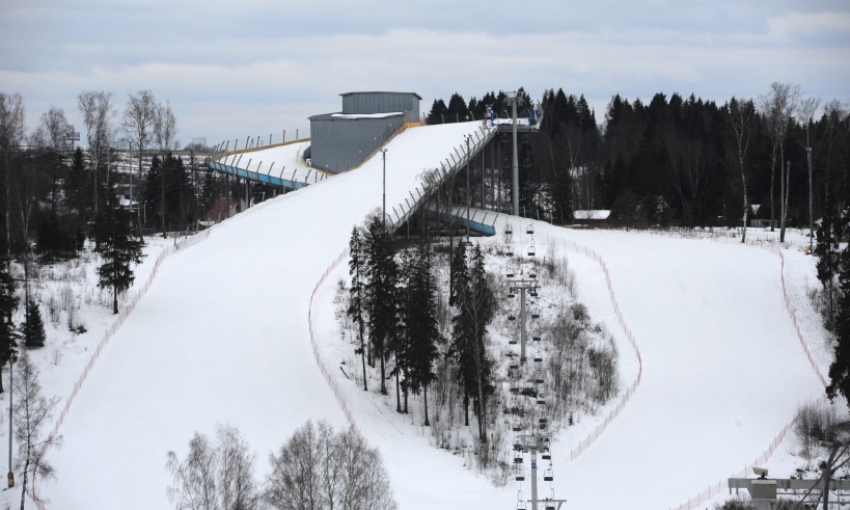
[(539, 380), (518, 446), (509, 252), (533, 293), (547, 456), (532, 274), (529, 229), (513, 366), (520, 477), (548, 476), (535, 338), (512, 342), (518, 459), (541, 401), (526, 163), (511, 295), (511, 317), (535, 314), (509, 229), (531, 249), (510, 273), (538, 359), (515, 391), (542, 422)]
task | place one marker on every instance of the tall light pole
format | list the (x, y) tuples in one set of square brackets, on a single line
[(811, 213), (514, 99), (468, 138), (384, 206), (12, 360)]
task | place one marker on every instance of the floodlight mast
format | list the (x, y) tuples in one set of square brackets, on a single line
[(514, 99), (384, 206)]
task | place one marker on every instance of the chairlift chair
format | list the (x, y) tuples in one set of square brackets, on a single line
[(531, 250), (535, 338), (548, 476), (535, 314), (542, 422), (539, 380), (529, 229), (533, 293), (538, 359), (511, 295), (541, 401), (518, 459), (512, 341), (547, 456), (511, 317), (526, 163)]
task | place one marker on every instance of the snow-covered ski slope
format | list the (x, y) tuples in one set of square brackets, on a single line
[(222, 336)]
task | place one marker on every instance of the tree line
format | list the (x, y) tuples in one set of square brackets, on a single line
[(393, 301), (678, 161)]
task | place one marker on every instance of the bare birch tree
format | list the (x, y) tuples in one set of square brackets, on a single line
[(138, 124), (778, 108), (321, 469), (97, 110), (51, 135), (32, 412), (12, 132), (165, 136), (741, 113), (216, 476)]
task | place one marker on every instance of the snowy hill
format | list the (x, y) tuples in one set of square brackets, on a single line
[(222, 337)]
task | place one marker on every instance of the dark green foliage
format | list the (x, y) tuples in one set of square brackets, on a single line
[(381, 292), (357, 293), (419, 316), (77, 189), (119, 249), (475, 304), (54, 237), (839, 371), (8, 304), (168, 180), (32, 329)]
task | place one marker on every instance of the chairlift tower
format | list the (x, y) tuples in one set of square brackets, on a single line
[(514, 100), (520, 287)]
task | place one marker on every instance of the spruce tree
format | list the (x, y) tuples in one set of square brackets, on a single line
[(32, 329), (8, 304), (420, 318), (839, 371), (462, 347), (381, 293), (828, 257), (115, 243), (357, 294)]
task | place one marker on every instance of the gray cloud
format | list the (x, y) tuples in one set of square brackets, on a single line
[(263, 67)]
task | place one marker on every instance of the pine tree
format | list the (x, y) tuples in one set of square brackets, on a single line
[(115, 243), (420, 319), (381, 293), (357, 294), (463, 330), (828, 257), (839, 371), (480, 307), (8, 303), (32, 329), (76, 187)]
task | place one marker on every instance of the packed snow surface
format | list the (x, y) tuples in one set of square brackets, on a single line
[(222, 337)]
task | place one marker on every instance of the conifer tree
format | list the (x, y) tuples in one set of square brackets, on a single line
[(839, 371), (420, 319), (32, 329), (115, 243), (828, 257), (357, 293), (381, 294), (462, 346), (76, 189), (8, 304)]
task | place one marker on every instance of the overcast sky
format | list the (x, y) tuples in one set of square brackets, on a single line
[(233, 69)]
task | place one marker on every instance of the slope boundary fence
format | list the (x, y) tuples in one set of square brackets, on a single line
[(723, 485), (337, 393), (110, 332), (584, 444)]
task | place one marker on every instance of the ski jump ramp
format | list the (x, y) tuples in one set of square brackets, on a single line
[(222, 337)]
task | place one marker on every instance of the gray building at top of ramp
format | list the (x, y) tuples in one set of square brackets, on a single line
[(341, 141)]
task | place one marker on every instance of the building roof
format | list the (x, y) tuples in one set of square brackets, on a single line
[(354, 116), (382, 92)]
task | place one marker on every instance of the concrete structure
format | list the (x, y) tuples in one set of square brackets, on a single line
[(341, 141)]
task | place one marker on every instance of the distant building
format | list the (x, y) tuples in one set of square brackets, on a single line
[(341, 141)]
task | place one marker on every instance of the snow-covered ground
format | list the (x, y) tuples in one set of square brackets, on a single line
[(222, 336), (69, 297)]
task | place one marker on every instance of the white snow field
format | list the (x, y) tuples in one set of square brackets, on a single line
[(222, 336)]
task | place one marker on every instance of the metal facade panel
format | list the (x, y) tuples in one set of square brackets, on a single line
[(380, 102), (338, 144)]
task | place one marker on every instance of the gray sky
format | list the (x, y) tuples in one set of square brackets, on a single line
[(253, 67)]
